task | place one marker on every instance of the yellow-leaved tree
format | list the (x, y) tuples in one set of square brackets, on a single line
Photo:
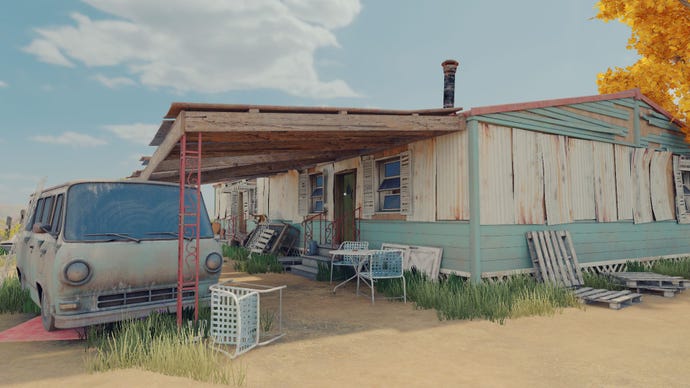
[(661, 35)]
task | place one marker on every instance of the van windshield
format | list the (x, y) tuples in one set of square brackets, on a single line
[(127, 212)]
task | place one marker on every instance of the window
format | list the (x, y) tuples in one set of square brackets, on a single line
[(36, 217), (47, 211), (389, 185), (316, 197), (56, 222)]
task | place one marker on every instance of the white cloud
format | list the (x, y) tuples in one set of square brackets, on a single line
[(3, 84), (114, 82), (70, 138), (206, 45), (136, 133), (47, 52)]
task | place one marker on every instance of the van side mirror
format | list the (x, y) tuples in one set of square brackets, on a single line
[(41, 228)]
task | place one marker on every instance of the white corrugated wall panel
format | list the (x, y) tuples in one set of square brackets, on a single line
[(528, 178), (496, 175), (423, 181), (581, 169), (452, 177), (556, 179), (604, 182), (624, 186), (283, 195), (642, 197), (660, 179)]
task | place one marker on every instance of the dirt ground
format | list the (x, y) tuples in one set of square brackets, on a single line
[(343, 340)]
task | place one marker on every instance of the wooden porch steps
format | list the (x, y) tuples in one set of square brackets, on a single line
[(309, 266)]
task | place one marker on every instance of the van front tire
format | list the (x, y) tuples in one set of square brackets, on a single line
[(46, 317)]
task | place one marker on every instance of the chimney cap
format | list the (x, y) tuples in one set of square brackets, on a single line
[(450, 65)]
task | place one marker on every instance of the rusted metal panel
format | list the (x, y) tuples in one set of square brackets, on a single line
[(528, 178), (581, 169), (283, 197), (556, 179), (262, 195), (604, 182), (660, 181), (496, 175), (624, 186), (423, 181), (642, 197), (452, 192)]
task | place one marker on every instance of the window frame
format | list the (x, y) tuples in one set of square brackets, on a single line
[(314, 199), (382, 195)]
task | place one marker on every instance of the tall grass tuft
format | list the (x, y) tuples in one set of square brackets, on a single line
[(456, 298), (156, 345), (13, 299), (601, 281), (252, 263), (340, 272), (664, 267), (235, 253)]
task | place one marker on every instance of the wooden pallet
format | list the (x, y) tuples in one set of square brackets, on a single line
[(615, 299), (650, 279), (554, 257)]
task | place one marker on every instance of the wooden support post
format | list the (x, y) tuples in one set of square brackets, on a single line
[(475, 217)]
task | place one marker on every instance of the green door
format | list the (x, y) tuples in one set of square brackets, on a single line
[(344, 202)]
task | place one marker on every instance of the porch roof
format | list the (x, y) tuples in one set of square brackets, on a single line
[(248, 141)]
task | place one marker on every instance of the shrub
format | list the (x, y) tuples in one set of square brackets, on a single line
[(456, 298)]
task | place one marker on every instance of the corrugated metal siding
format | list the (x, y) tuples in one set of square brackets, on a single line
[(496, 175), (452, 191), (642, 197), (556, 179), (423, 181), (528, 178), (581, 168), (624, 188), (604, 182), (283, 197), (660, 179)]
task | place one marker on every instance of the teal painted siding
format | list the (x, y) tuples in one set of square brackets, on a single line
[(453, 237), (504, 247)]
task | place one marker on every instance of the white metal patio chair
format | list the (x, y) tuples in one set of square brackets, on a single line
[(348, 260), (384, 264)]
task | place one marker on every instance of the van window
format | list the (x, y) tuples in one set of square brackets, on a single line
[(126, 211), (56, 222), (36, 217), (47, 210)]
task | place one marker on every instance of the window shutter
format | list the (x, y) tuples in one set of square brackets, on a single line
[(252, 201), (406, 183), (245, 204), (681, 212), (368, 203), (303, 194), (326, 171)]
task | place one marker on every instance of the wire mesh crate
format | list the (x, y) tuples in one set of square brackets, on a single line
[(237, 318)]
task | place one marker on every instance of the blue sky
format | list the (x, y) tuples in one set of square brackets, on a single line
[(84, 84)]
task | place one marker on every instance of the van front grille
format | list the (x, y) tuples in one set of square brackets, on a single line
[(142, 296)]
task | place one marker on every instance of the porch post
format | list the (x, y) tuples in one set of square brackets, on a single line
[(475, 225)]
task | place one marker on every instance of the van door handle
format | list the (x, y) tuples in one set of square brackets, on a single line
[(31, 246)]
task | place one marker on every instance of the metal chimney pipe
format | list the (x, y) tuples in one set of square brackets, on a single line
[(449, 68)]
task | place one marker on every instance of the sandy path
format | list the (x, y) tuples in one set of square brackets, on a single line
[(343, 340)]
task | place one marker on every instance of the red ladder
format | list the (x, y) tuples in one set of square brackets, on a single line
[(189, 222)]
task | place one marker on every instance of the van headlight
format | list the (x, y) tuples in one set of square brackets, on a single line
[(214, 262), (77, 272)]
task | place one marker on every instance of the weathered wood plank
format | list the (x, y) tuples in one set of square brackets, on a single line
[(624, 186), (529, 181), (571, 251), (267, 122), (165, 148), (660, 181), (581, 168), (567, 259), (556, 179), (547, 269), (496, 169), (452, 169), (642, 203), (604, 182), (559, 258)]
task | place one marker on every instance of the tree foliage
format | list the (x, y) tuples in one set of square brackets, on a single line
[(661, 35)]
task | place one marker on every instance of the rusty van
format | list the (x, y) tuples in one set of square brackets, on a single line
[(96, 252)]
